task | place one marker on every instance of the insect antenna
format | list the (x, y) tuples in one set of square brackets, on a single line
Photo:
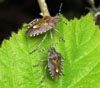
[(60, 9), (60, 13)]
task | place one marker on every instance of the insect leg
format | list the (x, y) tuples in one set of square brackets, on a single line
[(42, 40), (42, 50), (44, 74), (92, 3), (51, 38), (93, 9), (59, 33), (39, 62), (63, 59), (60, 38), (40, 43)]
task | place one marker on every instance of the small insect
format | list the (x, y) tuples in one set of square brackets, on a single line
[(40, 26), (95, 11), (55, 65)]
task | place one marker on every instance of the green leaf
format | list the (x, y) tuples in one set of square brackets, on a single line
[(81, 51)]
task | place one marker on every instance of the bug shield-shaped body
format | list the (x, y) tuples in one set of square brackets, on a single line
[(55, 63), (39, 26)]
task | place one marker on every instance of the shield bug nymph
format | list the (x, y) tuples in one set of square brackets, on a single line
[(54, 65), (40, 26)]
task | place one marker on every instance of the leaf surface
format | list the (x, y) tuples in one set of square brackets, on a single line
[(81, 51)]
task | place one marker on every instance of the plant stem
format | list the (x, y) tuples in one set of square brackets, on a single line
[(44, 8)]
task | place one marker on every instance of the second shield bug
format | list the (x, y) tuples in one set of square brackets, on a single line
[(40, 26), (54, 65)]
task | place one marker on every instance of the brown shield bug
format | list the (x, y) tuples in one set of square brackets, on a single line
[(55, 64), (95, 11), (40, 26)]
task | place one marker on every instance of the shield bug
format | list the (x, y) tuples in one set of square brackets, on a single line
[(54, 65), (95, 11), (40, 26)]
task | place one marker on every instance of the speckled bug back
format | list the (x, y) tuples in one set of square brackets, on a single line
[(39, 26), (55, 63)]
